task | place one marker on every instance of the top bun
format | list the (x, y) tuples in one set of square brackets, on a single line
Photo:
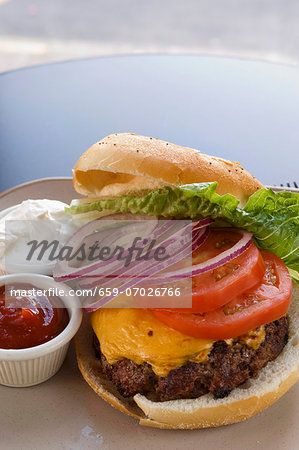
[(128, 164)]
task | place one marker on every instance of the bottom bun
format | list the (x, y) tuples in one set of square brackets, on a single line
[(250, 398)]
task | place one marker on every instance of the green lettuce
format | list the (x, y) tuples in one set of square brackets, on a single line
[(272, 217)]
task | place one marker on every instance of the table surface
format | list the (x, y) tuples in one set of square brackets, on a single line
[(238, 109)]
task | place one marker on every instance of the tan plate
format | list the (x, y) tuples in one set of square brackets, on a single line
[(65, 413)]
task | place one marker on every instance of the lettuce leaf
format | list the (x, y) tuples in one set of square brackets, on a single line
[(273, 217)]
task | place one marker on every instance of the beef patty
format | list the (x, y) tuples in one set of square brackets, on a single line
[(226, 367)]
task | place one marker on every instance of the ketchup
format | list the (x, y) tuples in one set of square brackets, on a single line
[(33, 319)]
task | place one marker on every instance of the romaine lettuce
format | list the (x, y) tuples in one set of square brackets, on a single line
[(273, 217)]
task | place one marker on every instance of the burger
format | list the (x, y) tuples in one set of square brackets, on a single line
[(235, 351)]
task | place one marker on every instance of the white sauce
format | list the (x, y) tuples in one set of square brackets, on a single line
[(32, 220)]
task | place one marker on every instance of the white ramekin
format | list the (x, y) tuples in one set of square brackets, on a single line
[(30, 366)]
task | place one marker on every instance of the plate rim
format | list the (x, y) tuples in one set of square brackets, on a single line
[(29, 183)]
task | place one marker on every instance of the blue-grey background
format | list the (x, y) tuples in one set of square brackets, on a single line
[(242, 110), (234, 106)]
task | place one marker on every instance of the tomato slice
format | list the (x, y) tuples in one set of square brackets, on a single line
[(266, 302), (217, 287)]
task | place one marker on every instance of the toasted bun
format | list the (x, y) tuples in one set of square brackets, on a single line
[(249, 399), (128, 164)]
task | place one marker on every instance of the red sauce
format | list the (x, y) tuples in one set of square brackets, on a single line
[(27, 321)]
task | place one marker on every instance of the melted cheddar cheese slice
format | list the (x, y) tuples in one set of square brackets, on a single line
[(137, 335)]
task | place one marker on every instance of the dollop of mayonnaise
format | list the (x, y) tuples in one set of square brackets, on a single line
[(32, 219)]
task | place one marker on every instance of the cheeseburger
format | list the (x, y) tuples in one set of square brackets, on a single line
[(235, 351)]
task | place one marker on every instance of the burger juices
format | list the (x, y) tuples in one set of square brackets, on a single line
[(241, 286)]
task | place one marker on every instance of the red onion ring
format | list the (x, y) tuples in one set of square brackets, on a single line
[(155, 268), (240, 247), (177, 244), (63, 272)]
